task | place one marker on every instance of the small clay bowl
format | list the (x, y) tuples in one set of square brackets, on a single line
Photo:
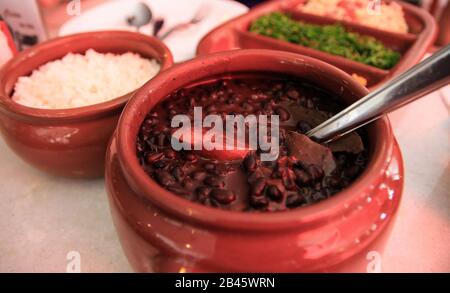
[(68, 142)]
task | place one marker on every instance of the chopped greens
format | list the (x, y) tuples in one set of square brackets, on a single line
[(333, 39)]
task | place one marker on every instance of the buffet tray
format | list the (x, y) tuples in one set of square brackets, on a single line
[(413, 45)]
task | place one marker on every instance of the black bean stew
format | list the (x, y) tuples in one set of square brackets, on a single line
[(249, 184)]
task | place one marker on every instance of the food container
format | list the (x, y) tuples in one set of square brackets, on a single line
[(162, 232), (68, 142), (235, 34), (7, 47)]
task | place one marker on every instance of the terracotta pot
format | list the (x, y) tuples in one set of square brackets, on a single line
[(413, 45), (160, 231), (69, 142)]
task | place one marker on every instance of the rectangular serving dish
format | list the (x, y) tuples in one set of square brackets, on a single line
[(235, 34)]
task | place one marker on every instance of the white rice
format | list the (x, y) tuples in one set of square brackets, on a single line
[(79, 80)]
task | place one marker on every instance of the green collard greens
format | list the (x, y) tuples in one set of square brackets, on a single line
[(333, 39)]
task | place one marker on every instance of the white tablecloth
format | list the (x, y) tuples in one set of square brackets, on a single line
[(42, 218)]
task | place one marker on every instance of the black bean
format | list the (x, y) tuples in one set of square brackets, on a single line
[(288, 179), (164, 178), (332, 181), (315, 172), (278, 86), (303, 127), (161, 164), (170, 154), (203, 192), (154, 157), (318, 196), (274, 193), (361, 159), (219, 172), (341, 159), (295, 200), (231, 101), (178, 190), (161, 139), (209, 166), (267, 106), (282, 113), (140, 146), (247, 107), (254, 176), (199, 175), (293, 94), (250, 163), (258, 186), (259, 202), (214, 181), (189, 184), (223, 196), (302, 177), (178, 173), (351, 172), (191, 157), (211, 108)]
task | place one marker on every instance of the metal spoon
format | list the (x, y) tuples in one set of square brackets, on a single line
[(141, 16), (196, 19), (425, 77)]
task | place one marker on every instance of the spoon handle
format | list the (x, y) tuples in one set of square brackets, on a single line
[(425, 77)]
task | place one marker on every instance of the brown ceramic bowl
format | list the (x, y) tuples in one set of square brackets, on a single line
[(412, 45), (160, 231), (68, 142)]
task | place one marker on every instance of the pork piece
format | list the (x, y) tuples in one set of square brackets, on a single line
[(309, 152)]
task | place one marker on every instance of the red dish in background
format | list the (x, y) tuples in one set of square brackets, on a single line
[(234, 34)]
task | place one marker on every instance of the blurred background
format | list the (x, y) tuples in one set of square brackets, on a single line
[(32, 21)]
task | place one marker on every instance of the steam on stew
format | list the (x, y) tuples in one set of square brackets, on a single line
[(304, 172)]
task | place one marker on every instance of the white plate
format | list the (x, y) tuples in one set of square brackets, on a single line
[(112, 15)]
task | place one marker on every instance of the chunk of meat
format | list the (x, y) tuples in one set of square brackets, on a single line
[(309, 152), (351, 143), (313, 117), (216, 154)]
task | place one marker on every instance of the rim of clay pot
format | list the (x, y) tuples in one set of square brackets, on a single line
[(157, 89), (101, 41)]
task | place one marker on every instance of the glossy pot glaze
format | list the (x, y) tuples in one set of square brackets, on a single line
[(69, 142), (160, 231)]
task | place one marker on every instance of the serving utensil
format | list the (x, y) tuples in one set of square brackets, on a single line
[(141, 15), (157, 26), (425, 77), (197, 18)]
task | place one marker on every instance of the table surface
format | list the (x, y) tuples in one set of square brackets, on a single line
[(43, 218)]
